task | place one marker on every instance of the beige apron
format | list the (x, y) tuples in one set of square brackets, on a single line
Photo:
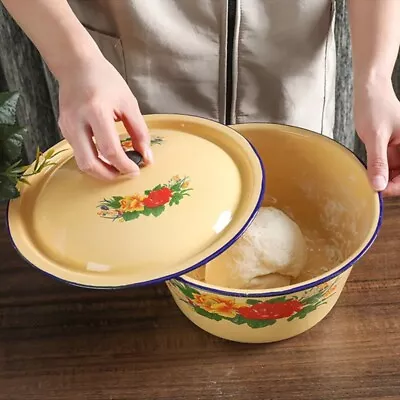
[(233, 61)]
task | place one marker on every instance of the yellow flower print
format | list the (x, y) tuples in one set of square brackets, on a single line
[(330, 291), (132, 203), (323, 286), (216, 305)]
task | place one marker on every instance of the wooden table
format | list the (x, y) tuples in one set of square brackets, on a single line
[(65, 343)]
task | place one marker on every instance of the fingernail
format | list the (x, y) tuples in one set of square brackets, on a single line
[(149, 156), (379, 183)]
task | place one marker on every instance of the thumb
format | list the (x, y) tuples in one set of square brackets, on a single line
[(378, 169)]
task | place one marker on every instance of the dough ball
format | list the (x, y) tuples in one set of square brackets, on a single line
[(268, 255)]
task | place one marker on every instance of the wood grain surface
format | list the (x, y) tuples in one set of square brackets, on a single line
[(59, 342)]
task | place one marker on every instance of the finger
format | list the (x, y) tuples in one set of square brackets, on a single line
[(393, 173), (137, 129), (109, 145), (393, 188), (86, 156), (377, 160)]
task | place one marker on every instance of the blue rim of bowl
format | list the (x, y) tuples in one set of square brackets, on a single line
[(163, 279), (312, 282)]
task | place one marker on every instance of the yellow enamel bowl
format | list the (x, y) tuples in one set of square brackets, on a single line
[(325, 189)]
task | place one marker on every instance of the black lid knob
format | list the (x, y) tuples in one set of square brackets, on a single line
[(135, 156)]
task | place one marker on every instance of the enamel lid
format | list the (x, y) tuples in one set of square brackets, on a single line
[(198, 197)]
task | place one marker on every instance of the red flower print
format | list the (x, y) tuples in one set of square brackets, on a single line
[(158, 198), (271, 310)]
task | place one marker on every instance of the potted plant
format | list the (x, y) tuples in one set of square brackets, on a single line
[(12, 171)]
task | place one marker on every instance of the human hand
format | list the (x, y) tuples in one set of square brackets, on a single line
[(377, 121), (93, 96)]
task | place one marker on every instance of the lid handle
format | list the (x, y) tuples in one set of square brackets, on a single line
[(135, 156)]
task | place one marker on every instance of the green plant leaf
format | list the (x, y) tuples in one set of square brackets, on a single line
[(260, 323), (8, 189), (129, 216), (37, 159), (56, 153), (49, 154), (157, 211), (9, 130), (8, 107), (13, 169), (19, 170), (12, 146), (11, 142), (23, 180)]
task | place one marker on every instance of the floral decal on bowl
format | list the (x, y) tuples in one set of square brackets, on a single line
[(255, 313), (126, 143), (152, 202)]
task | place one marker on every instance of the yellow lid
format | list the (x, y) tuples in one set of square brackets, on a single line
[(196, 200)]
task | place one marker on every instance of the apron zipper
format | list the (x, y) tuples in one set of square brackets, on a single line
[(229, 56)]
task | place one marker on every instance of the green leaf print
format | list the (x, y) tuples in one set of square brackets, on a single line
[(146, 211), (186, 290), (281, 299), (207, 314), (157, 211), (238, 320), (304, 312), (129, 216), (251, 302), (114, 202), (262, 323), (313, 299)]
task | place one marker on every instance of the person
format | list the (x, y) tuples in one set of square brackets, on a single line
[(233, 61)]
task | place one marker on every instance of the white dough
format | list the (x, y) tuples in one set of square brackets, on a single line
[(269, 254)]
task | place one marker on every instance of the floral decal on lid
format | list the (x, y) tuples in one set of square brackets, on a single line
[(152, 202)]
